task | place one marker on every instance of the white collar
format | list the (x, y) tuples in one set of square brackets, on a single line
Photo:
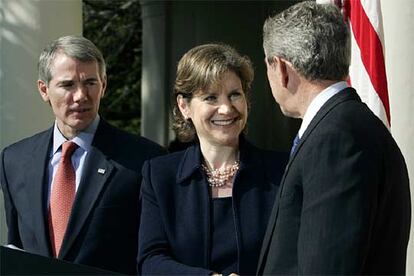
[(318, 102), (83, 139)]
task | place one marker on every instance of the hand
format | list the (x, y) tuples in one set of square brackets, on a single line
[(218, 274)]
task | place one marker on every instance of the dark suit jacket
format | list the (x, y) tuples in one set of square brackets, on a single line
[(175, 233), (103, 227), (344, 205)]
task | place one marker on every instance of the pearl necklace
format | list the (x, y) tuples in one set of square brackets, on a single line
[(219, 177)]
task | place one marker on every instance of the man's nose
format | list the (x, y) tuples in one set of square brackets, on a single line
[(81, 93)]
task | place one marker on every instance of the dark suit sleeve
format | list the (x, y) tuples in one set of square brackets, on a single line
[(11, 214), (154, 254), (340, 190)]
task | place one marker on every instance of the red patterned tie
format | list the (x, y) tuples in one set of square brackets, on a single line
[(62, 197)]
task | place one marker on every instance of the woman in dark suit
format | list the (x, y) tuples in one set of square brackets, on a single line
[(205, 209)]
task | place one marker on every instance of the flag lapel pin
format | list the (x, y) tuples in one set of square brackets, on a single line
[(101, 171)]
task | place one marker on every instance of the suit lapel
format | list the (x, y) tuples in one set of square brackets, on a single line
[(96, 172), (196, 192), (344, 95), (36, 179)]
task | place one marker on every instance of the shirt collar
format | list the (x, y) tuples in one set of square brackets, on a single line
[(83, 139), (318, 102)]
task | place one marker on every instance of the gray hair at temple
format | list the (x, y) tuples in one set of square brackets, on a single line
[(314, 38), (73, 46)]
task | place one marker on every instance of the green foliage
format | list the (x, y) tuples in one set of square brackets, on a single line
[(116, 28)]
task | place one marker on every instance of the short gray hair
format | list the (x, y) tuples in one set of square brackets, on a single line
[(313, 37), (73, 46)]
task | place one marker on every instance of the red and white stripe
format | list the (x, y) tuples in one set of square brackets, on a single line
[(367, 71)]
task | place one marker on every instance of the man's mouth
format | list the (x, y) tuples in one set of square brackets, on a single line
[(79, 110)]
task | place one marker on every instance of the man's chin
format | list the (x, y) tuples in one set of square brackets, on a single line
[(289, 114), (284, 111), (80, 125)]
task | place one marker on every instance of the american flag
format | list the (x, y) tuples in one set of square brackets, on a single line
[(367, 71)]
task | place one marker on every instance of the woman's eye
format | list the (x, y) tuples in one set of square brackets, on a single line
[(235, 95), (210, 98)]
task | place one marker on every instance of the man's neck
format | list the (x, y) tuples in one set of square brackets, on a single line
[(311, 89)]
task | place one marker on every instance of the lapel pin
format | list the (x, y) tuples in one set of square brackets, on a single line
[(101, 171)]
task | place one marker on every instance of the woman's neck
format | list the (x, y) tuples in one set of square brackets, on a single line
[(217, 157)]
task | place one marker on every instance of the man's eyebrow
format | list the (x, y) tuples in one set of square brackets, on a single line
[(91, 79), (64, 81)]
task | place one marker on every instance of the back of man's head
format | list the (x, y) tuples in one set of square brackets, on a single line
[(73, 46), (313, 37)]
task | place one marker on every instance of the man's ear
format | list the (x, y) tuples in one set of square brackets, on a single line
[(43, 90), (283, 67), (184, 106), (104, 85)]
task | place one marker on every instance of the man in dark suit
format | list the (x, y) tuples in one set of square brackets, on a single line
[(344, 199), (85, 210)]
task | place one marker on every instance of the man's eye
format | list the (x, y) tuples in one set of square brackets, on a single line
[(92, 82), (66, 85)]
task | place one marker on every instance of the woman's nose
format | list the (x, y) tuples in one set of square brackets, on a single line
[(225, 107)]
